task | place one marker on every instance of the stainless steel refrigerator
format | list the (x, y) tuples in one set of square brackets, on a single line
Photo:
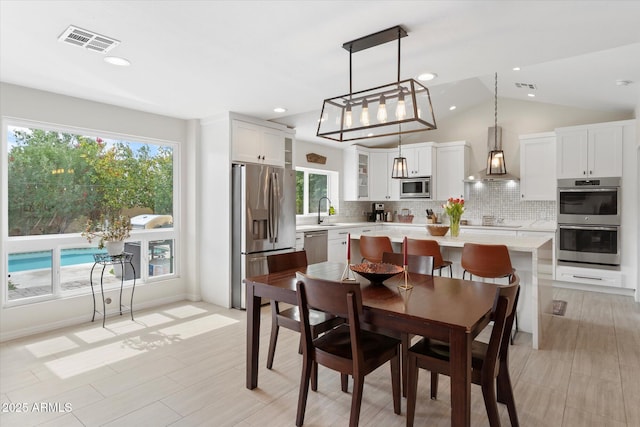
[(264, 221)]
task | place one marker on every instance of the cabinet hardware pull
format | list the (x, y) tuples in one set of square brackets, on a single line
[(587, 277)]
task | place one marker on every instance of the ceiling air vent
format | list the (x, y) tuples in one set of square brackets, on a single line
[(88, 39), (528, 86)]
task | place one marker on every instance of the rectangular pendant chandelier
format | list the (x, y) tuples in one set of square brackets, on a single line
[(401, 107)]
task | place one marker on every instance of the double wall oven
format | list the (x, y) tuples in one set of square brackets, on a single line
[(589, 214)]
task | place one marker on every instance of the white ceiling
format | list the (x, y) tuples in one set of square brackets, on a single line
[(194, 59)]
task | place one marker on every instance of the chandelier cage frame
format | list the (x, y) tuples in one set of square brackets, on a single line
[(396, 108)]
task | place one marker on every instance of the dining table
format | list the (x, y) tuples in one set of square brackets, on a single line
[(447, 309)]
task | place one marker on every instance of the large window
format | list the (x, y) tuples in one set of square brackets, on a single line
[(56, 180), (311, 186)]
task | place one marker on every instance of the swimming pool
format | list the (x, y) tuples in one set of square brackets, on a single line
[(42, 259)]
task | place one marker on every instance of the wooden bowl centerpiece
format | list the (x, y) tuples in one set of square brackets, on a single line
[(437, 229), (376, 272)]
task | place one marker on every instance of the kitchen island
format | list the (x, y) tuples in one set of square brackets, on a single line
[(532, 257)]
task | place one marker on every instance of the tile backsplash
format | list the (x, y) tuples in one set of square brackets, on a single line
[(499, 199)]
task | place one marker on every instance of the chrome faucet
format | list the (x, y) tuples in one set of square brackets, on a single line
[(320, 201)]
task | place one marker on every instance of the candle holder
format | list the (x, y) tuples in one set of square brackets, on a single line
[(406, 284), (347, 274), (405, 288)]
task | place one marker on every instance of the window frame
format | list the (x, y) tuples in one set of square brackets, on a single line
[(57, 242), (332, 190)]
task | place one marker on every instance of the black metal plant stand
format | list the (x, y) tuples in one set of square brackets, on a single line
[(104, 260)]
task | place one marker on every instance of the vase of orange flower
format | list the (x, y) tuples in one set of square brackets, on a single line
[(454, 208)]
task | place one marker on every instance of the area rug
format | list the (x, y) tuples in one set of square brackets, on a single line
[(559, 307)]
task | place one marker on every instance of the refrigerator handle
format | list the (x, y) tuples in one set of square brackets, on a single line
[(272, 220), (276, 207)]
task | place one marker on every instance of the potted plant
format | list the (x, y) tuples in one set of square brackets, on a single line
[(111, 232)]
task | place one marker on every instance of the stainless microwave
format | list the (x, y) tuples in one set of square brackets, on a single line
[(416, 188)]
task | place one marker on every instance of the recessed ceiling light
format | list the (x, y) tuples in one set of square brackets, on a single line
[(531, 95), (453, 107), (279, 110), (516, 68), (425, 77), (116, 60), (623, 82)]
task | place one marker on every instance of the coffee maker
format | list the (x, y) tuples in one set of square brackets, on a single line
[(378, 211)]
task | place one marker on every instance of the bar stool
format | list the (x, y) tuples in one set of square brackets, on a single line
[(488, 261), (429, 248), (372, 247)]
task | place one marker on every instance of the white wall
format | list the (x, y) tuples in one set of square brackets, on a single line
[(30, 104), (333, 155), (214, 203)]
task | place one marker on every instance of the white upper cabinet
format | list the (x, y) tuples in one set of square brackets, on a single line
[(420, 159), (589, 151), (538, 166), (452, 167), (382, 186), (355, 180), (257, 144)]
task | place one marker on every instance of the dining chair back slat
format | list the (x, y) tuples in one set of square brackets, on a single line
[(420, 264)]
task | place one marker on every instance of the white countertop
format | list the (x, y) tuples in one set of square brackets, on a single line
[(537, 225), (514, 243)]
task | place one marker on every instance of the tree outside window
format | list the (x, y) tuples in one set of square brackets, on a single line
[(57, 180), (311, 186)]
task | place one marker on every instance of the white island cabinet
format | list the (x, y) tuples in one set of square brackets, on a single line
[(532, 257)]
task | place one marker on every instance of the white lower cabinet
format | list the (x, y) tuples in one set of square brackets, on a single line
[(337, 245), (589, 276), (337, 242)]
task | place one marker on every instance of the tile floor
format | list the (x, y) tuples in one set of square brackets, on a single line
[(183, 365)]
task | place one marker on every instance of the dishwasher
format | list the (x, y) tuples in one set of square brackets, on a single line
[(315, 243)]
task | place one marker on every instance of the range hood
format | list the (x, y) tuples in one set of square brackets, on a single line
[(496, 166)]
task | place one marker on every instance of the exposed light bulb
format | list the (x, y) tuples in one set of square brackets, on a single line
[(496, 159), (348, 120), (401, 110), (364, 116), (382, 110)]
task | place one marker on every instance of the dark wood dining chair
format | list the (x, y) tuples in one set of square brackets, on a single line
[(372, 247), (420, 264), (489, 262), (290, 317), (347, 348), (489, 364), (429, 248)]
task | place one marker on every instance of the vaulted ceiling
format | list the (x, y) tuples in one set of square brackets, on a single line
[(194, 59)]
